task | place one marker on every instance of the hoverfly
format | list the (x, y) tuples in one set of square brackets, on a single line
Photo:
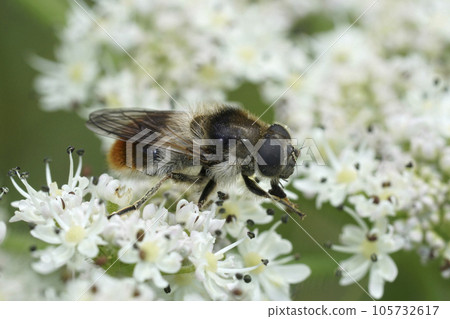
[(209, 147)]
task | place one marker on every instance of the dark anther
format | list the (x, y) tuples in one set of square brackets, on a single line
[(3, 190), (11, 173), (436, 81), (373, 257), (237, 292), (167, 236), (386, 184), (257, 180), (340, 207), (219, 202), (297, 256), (270, 212), (31, 226), (239, 276), (222, 195), (47, 160), (135, 246), (57, 231), (323, 180), (265, 261), (222, 210), (167, 290), (230, 218), (94, 289), (338, 273), (284, 218), (372, 237), (80, 152), (250, 222), (33, 248), (140, 235), (142, 254), (70, 149), (24, 175), (250, 235), (328, 244), (218, 232), (247, 279), (409, 165), (101, 260), (357, 166), (375, 199), (94, 180), (63, 204), (136, 293), (45, 188)]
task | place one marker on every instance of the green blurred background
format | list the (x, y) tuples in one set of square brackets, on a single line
[(27, 135)]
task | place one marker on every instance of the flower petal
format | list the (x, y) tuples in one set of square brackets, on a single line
[(354, 269), (293, 273), (46, 233), (143, 271), (376, 284), (170, 263), (274, 286), (88, 247), (387, 268), (352, 235)]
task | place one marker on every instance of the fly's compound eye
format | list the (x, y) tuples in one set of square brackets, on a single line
[(272, 153)]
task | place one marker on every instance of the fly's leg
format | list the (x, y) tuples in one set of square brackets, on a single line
[(209, 188), (136, 205), (275, 193)]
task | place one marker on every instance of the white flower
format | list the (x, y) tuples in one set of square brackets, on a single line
[(40, 206), (62, 217), (411, 231), (237, 211), (187, 287), (273, 279), (373, 208), (346, 175), (17, 282), (154, 253), (215, 269), (97, 285), (188, 215), (72, 76), (371, 249), (75, 231), (112, 190)]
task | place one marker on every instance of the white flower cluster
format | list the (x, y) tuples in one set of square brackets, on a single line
[(192, 51), (377, 106), (374, 97), (186, 254)]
